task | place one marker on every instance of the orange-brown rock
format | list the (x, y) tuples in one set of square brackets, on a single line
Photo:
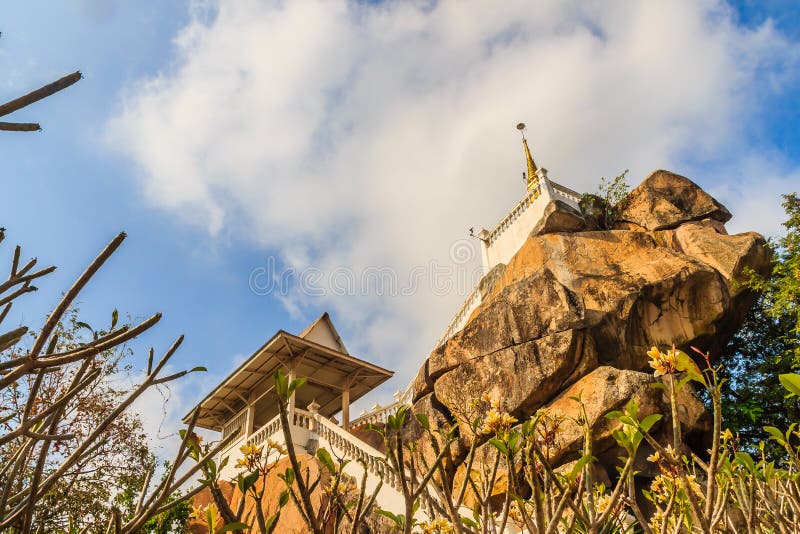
[(559, 216), (606, 389), (665, 200), (521, 377), (620, 287), (525, 310), (290, 522)]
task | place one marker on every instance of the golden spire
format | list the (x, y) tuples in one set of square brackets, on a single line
[(532, 179)]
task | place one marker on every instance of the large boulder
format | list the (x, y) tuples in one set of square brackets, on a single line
[(576, 311), (729, 255), (633, 293), (665, 200), (559, 216), (524, 311)]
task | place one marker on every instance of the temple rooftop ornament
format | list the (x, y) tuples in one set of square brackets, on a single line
[(532, 176)]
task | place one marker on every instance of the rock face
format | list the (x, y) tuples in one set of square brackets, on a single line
[(666, 200), (575, 311), (291, 521)]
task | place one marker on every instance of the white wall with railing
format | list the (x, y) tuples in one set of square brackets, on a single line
[(310, 431), (509, 235)]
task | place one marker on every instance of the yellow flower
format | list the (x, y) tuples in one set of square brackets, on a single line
[(727, 435), (655, 457), (497, 422), (275, 446), (602, 502), (437, 526), (663, 363)]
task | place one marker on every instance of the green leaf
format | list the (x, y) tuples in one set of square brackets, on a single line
[(114, 318), (288, 476), (423, 421), (775, 434), (249, 481), (791, 381), (622, 439), (397, 519), (469, 522), (284, 498), (81, 324), (685, 363), (325, 459), (296, 383), (615, 414), (746, 461), (234, 526), (199, 368), (499, 445), (280, 384), (648, 422), (579, 465)]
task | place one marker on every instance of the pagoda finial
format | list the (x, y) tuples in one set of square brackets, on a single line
[(532, 178)]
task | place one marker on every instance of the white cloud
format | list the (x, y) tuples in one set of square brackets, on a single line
[(344, 134)]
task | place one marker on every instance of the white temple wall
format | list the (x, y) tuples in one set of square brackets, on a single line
[(508, 241)]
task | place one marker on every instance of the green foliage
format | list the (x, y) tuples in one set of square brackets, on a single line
[(606, 205), (781, 290), (766, 347)]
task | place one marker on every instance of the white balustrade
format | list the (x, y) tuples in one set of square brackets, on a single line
[(472, 301), (235, 426), (380, 414), (514, 214), (567, 193)]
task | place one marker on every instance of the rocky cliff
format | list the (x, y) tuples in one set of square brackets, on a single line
[(577, 308)]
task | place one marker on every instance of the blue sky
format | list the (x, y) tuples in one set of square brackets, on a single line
[(350, 136)]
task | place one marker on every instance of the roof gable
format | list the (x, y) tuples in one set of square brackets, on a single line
[(322, 332)]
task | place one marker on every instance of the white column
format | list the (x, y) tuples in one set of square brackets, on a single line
[(483, 237), (346, 408), (251, 415), (546, 188), (313, 408), (291, 377)]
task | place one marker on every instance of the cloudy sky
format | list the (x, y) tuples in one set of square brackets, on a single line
[(273, 160)]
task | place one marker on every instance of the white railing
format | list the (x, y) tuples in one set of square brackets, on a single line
[(265, 432), (567, 193), (472, 301), (380, 414), (354, 449), (514, 214), (340, 443), (236, 425)]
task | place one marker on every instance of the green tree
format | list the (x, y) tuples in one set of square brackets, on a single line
[(80, 498), (767, 345)]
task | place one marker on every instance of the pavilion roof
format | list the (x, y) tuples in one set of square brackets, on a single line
[(327, 372)]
